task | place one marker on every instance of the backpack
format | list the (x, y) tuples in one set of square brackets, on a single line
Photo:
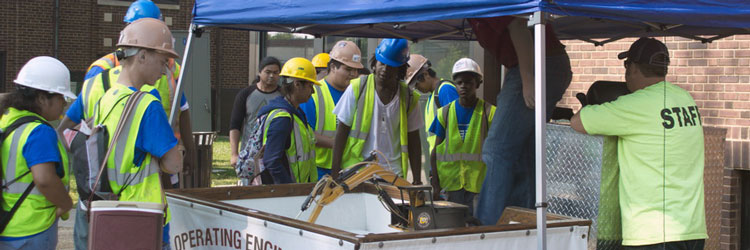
[(5, 216), (79, 160), (250, 164)]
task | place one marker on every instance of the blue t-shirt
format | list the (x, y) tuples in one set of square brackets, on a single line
[(446, 94), (309, 107), (463, 115), (41, 147), (155, 136), (75, 111)]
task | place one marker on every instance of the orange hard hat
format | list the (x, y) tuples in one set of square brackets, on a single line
[(348, 53), (416, 62), (148, 33)]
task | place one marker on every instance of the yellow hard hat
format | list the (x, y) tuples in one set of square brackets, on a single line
[(301, 68), (321, 60)]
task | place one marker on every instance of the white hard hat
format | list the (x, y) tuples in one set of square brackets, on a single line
[(46, 73), (466, 65)]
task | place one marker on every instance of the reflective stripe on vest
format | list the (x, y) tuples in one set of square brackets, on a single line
[(363, 118), (301, 153), (459, 160), (430, 107), (325, 124), (106, 62), (143, 181), (36, 213), (93, 90)]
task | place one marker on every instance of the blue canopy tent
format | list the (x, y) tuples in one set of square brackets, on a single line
[(594, 21)]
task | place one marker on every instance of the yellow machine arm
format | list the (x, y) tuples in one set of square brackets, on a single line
[(329, 189)]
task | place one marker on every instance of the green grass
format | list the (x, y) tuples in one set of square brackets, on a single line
[(222, 173)]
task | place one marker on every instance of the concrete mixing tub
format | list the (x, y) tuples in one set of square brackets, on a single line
[(262, 217)]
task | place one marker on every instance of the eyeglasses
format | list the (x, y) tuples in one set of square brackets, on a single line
[(626, 63), (421, 77)]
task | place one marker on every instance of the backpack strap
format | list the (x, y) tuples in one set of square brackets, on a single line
[(13, 126), (130, 106), (105, 80), (362, 85)]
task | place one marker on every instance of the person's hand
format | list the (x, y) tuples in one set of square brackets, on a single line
[(233, 160), (187, 167), (528, 95), (61, 213)]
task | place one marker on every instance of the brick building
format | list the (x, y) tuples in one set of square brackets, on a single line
[(79, 32)]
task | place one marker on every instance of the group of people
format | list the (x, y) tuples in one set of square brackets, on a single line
[(344, 117), (481, 155), (36, 158), (315, 118)]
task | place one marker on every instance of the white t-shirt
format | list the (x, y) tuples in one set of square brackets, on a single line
[(384, 127)]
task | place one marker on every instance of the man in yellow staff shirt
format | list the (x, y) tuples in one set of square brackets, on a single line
[(659, 150)]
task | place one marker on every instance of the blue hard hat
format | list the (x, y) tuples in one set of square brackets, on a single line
[(140, 9), (393, 52)]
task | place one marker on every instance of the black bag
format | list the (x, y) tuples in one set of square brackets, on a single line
[(5, 216), (79, 155)]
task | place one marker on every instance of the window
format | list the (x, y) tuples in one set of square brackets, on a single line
[(442, 54), (285, 46)]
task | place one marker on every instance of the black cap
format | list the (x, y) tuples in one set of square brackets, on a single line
[(647, 51)]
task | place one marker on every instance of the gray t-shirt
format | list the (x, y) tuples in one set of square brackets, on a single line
[(246, 106)]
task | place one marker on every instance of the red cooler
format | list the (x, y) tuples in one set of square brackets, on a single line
[(125, 225)]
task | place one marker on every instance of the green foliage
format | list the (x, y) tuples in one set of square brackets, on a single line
[(442, 54)]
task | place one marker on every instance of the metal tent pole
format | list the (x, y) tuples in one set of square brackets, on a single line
[(178, 89), (540, 117)]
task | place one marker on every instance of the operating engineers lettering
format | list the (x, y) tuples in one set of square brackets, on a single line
[(681, 117), (211, 238)]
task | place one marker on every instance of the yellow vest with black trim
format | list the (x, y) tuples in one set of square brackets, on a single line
[(429, 111), (301, 152), (36, 213), (363, 120), (459, 160), (325, 122), (166, 85), (143, 183)]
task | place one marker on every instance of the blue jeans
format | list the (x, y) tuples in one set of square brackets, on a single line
[(508, 149), (81, 229), (47, 239), (322, 172)]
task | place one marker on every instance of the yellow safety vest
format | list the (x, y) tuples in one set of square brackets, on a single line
[(301, 152), (325, 122), (363, 118), (429, 111), (459, 160), (166, 85), (143, 183), (36, 213)]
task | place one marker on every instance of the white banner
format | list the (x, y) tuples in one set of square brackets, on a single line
[(195, 226)]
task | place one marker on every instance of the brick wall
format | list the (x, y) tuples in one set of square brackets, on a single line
[(717, 75), (27, 30)]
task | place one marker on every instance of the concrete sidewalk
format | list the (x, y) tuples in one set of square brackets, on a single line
[(65, 231)]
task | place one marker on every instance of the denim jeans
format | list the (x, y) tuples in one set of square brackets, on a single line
[(508, 149), (675, 245), (46, 240), (463, 197), (81, 229)]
